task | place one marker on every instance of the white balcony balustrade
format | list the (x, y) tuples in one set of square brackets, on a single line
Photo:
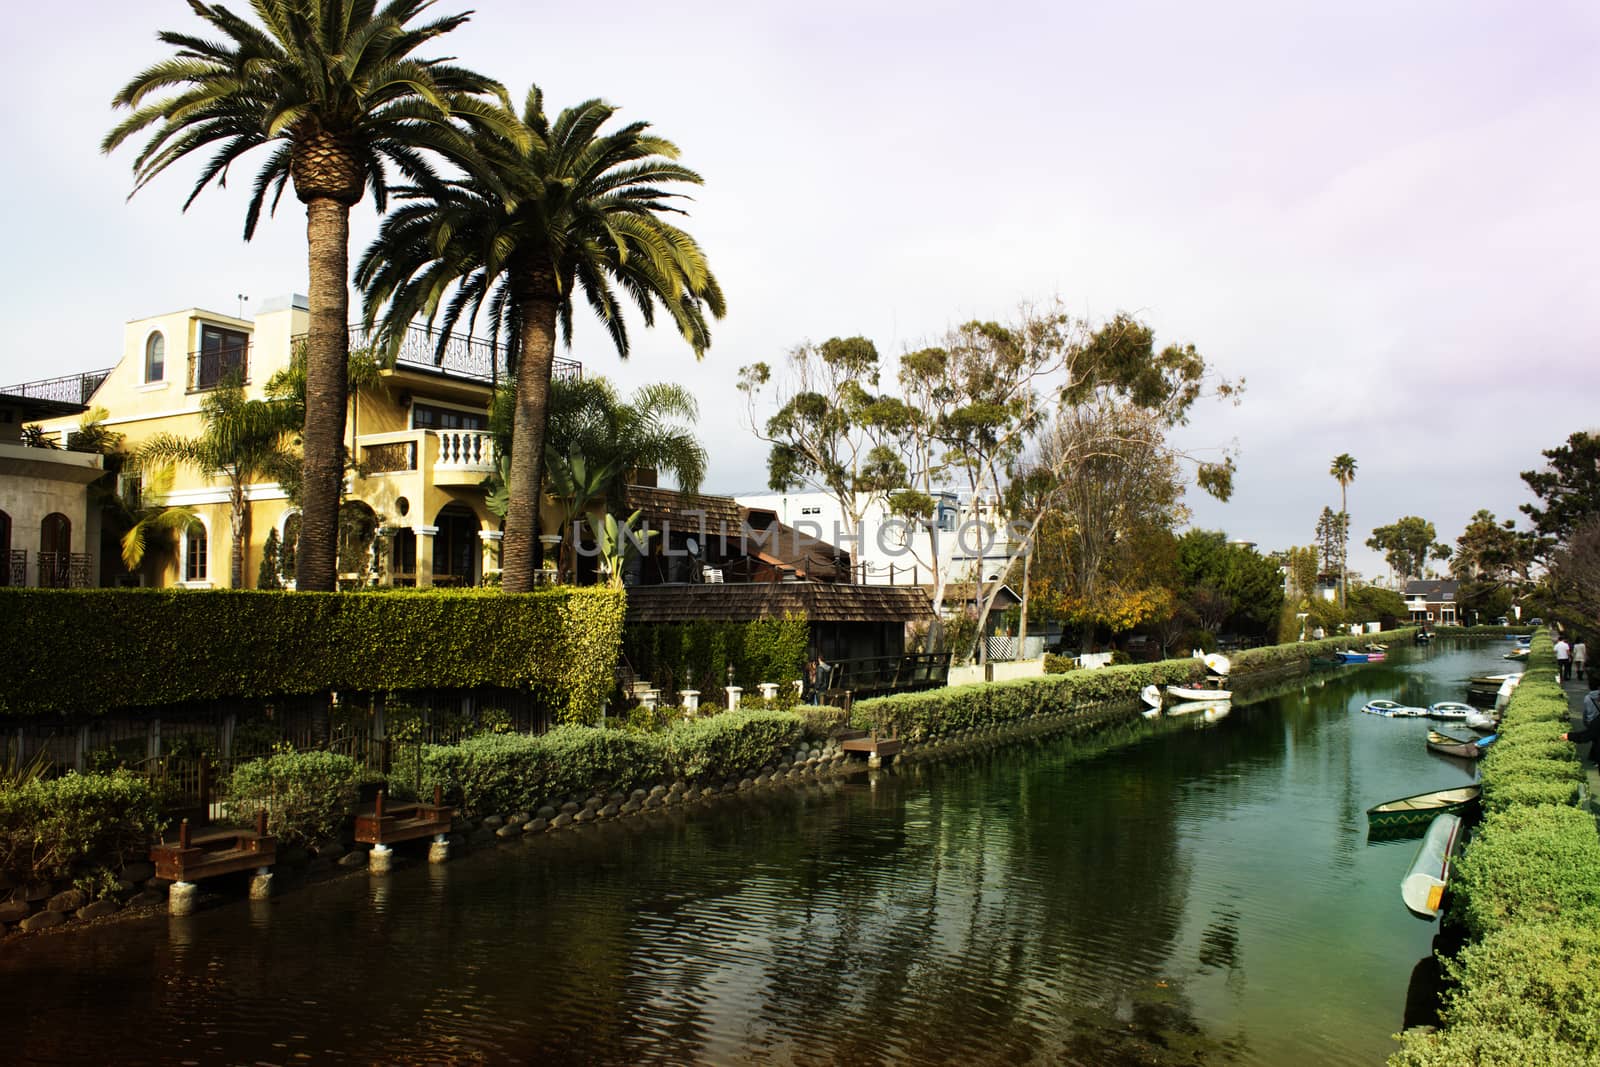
[(465, 450)]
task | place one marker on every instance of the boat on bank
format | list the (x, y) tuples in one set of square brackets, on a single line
[(1392, 709), (1422, 888), (1460, 747), (1418, 810)]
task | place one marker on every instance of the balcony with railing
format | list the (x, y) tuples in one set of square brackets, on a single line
[(464, 358), (446, 457), (210, 367), (68, 389)]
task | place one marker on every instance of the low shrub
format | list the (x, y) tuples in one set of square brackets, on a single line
[(1529, 863), (308, 796), (49, 827), (729, 744)]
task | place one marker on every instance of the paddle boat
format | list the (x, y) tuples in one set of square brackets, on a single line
[(1426, 879), (1391, 709), (1453, 710), (1463, 748), (1418, 810)]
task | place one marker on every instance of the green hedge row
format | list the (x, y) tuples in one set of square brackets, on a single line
[(500, 773), (939, 712), (56, 827), (1527, 889), (89, 651)]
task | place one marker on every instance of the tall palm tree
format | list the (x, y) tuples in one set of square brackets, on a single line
[(1344, 472), (240, 440), (333, 88), (544, 213)]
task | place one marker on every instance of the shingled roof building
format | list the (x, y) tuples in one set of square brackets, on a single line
[(1432, 600)]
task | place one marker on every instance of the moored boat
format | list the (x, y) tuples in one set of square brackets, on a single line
[(1419, 809), (1208, 708), (1463, 748), (1190, 692), (1483, 721), (1348, 656), (1391, 709), (1426, 879), (1453, 710)]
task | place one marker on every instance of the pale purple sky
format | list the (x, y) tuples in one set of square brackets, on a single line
[(1383, 216)]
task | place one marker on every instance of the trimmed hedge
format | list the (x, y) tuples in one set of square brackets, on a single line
[(697, 655), (1527, 888), (937, 712), (89, 651), (308, 796), (494, 774), (50, 827)]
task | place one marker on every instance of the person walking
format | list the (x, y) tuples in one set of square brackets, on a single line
[(1580, 658), (1564, 657), (1591, 721)]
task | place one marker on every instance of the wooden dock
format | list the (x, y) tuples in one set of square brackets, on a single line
[(193, 857), (875, 748), (405, 822)]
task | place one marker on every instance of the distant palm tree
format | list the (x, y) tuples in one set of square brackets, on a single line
[(542, 215), (243, 441), (1344, 472), (333, 87), (143, 507)]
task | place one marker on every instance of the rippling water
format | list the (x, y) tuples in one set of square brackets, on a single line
[(1201, 892)]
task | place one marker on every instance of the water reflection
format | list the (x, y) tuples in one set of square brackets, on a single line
[(1054, 901)]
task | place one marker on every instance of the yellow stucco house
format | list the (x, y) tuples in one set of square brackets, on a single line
[(420, 439)]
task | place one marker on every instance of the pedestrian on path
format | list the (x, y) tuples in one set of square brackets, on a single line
[(1580, 658), (1591, 721), (1564, 658), (1591, 703)]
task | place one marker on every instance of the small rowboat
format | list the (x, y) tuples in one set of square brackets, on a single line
[(1489, 681), (1464, 748), (1517, 653), (1353, 657), (1418, 810), (1189, 692), (1390, 709), (1375, 647), (1482, 720), (1453, 710), (1423, 887)]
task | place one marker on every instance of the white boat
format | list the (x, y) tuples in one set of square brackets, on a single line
[(1217, 663), (1216, 712), (1507, 687), (1189, 692), (1151, 696), (1482, 720), (1423, 887), (1391, 709), (1452, 709)]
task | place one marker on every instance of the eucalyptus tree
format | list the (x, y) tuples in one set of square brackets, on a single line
[(241, 441), (544, 211), (1343, 470), (333, 91)]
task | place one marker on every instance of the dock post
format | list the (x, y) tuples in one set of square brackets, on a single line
[(181, 898), (261, 884), (378, 859), (439, 851)]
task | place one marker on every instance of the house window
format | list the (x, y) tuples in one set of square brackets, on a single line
[(430, 417), (222, 355), (155, 358), (194, 554)]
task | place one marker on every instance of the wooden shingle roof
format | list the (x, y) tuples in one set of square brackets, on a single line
[(744, 602), (701, 514)]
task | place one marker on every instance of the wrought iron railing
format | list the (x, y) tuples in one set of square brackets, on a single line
[(209, 368), (389, 456), (887, 674), (461, 357), (70, 388), (17, 567)]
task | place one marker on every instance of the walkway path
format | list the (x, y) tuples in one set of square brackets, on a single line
[(1576, 689)]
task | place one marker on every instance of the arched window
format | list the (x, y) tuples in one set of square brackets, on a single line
[(5, 553), (155, 357), (194, 566)]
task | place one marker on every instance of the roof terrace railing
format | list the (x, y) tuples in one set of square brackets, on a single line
[(68, 389), (462, 357)]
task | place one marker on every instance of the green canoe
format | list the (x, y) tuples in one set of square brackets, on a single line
[(1414, 813)]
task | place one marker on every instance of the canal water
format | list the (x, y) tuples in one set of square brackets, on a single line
[(1200, 894)]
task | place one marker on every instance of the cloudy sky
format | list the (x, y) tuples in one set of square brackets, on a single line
[(1384, 217)]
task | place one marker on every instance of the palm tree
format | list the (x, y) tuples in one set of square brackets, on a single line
[(145, 510), (241, 440), (1344, 472), (555, 209), (332, 86)]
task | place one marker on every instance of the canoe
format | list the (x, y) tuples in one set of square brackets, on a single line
[(1419, 809), (1426, 879), (1452, 709), (1186, 692), (1464, 748), (1390, 709)]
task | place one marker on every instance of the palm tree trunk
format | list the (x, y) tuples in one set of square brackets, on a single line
[(327, 390), (236, 523), (1344, 549), (526, 488)]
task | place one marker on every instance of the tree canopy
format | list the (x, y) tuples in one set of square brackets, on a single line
[(1408, 544), (1568, 488)]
